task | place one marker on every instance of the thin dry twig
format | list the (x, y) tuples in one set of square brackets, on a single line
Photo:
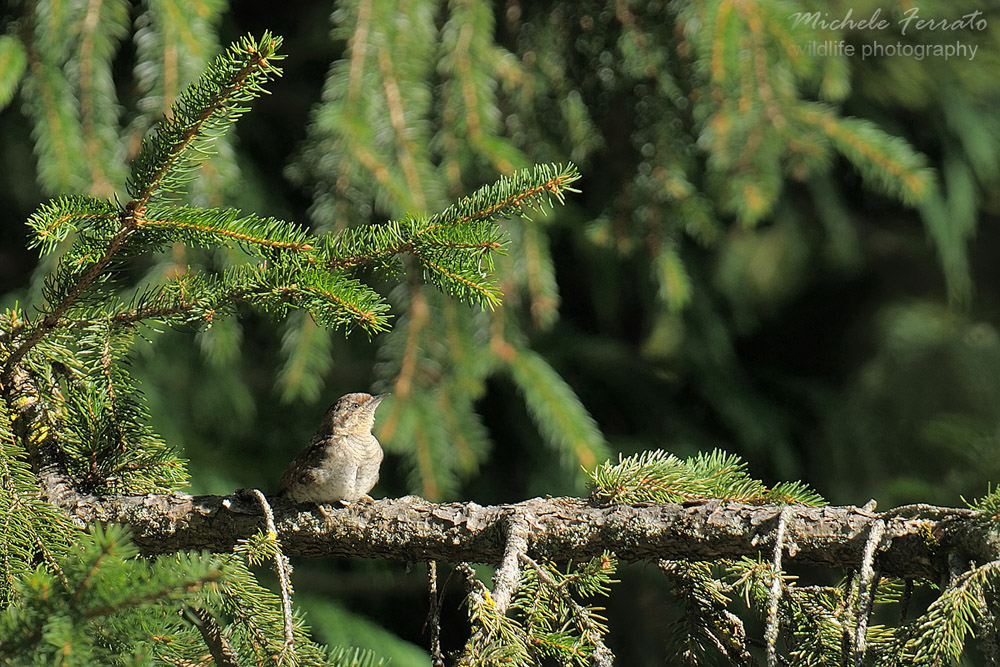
[(507, 579), (282, 567), (434, 615), (771, 629), (866, 590), (218, 645)]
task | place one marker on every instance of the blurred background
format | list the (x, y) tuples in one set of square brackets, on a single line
[(782, 247)]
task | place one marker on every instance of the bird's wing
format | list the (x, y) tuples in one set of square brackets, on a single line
[(301, 470)]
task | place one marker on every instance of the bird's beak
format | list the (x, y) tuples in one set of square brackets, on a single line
[(377, 399)]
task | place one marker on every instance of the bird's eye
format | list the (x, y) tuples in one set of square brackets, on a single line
[(357, 405)]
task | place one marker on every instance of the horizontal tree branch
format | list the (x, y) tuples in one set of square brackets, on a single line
[(917, 541), (915, 544)]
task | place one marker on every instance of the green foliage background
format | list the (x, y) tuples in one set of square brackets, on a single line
[(789, 257)]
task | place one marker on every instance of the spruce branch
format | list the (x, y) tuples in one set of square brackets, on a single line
[(465, 283), (54, 220), (939, 636), (704, 598), (218, 645), (301, 270), (31, 530), (257, 626), (497, 639), (658, 476), (49, 99), (380, 244), (35, 430), (335, 302), (592, 628), (887, 162), (354, 657), (509, 196), (559, 414), (407, 151), (13, 61), (411, 529), (201, 227), (203, 112), (76, 283), (76, 617), (987, 507), (454, 247)]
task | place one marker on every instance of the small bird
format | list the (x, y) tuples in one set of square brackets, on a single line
[(342, 460)]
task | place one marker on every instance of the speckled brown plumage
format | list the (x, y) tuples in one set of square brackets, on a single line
[(341, 462)]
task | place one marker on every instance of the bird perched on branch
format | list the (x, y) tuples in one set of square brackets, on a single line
[(342, 460)]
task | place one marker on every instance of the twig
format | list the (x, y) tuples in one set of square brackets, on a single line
[(282, 567), (924, 510), (845, 608), (478, 595), (507, 579), (904, 602), (736, 635), (986, 632), (222, 651), (472, 584), (733, 648), (434, 615), (867, 585), (771, 630)]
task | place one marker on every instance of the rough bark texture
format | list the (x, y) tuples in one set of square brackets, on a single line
[(916, 540)]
